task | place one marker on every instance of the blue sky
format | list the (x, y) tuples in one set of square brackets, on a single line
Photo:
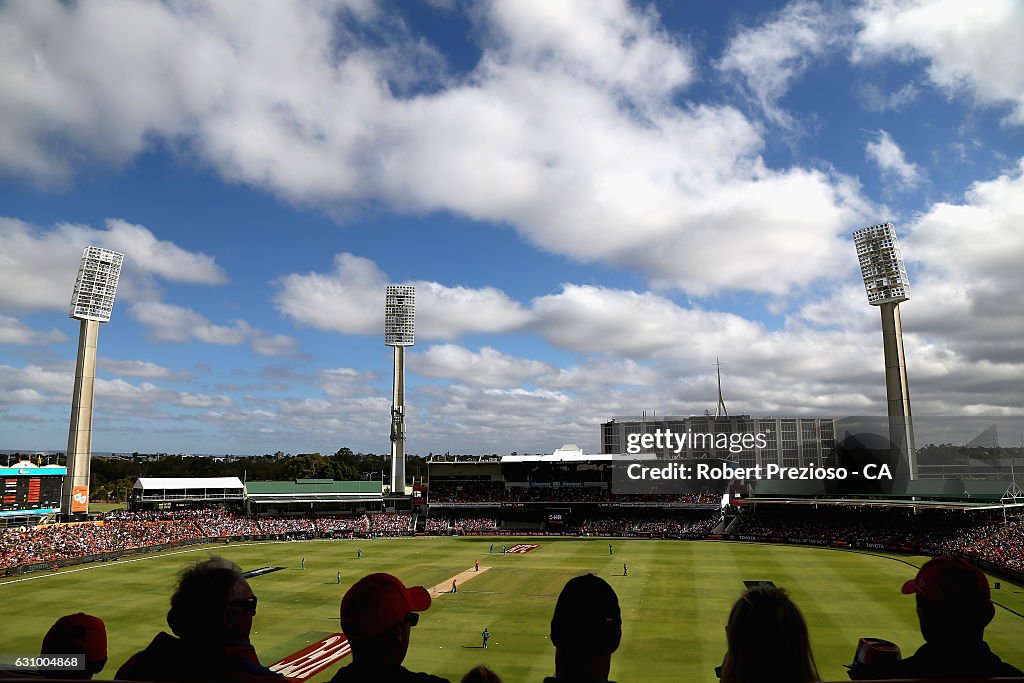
[(594, 200)]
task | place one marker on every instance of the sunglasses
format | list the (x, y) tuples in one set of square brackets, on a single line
[(248, 605), (412, 618)]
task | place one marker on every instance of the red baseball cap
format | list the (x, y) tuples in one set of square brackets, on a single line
[(948, 580), (77, 634), (377, 602)]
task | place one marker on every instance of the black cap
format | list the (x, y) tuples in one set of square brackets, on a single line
[(587, 616)]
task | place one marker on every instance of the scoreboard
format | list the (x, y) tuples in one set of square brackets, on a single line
[(30, 490)]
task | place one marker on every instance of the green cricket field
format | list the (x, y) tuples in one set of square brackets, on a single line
[(675, 600)]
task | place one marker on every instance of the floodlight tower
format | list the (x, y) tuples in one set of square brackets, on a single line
[(887, 285), (399, 332), (91, 303)]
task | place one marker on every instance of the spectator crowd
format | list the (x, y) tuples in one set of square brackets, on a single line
[(469, 492), (122, 531), (980, 536), (983, 537)]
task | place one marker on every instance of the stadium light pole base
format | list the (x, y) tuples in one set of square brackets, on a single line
[(398, 425), (897, 391), (74, 499)]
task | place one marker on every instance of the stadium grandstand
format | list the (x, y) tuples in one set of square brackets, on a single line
[(567, 492), (564, 493), (150, 493), (286, 498), (319, 495)]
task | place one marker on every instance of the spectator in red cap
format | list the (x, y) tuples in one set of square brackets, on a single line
[(377, 615), (953, 607), (585, 629), (78, 634)]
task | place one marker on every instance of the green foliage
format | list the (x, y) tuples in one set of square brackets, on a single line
[(108, 474)]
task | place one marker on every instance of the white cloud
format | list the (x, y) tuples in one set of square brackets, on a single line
[(264, 344), (884, 151), (140, 368), (13, 331), (24, 397), (449, 312), (168, 322), (605, 43), (635, 324), (602, 373), (351, 300), (172, 323), (348, 300), (875, 99), (36, 385), (187, 400), (569, 128), (146, 253), (969, 257), (488, 367), (345, 382), (970, 46), (771, 56), (38, 266)]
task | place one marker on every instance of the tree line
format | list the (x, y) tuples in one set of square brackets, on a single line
[(112, 478)]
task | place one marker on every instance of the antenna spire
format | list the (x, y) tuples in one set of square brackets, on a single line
[(720, 410)]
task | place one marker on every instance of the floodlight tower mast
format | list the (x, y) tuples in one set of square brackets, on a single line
[(887, 285), (399, 332), (91, 303)]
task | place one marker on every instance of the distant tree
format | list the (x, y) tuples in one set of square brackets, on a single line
[(308, 466), (415, 466)]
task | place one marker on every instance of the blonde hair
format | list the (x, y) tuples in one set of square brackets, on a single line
[(768, 640)]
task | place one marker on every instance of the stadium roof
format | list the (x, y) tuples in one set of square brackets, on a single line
[(313, 491), (957, 489), (188, 489), (570, 452), (887, 502), (181, 483), (313, 486), (924, 493)]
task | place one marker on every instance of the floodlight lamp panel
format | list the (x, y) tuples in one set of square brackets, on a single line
[(881, 264), (400, 316), (96, 284)]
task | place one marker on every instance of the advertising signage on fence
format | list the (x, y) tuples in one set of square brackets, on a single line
[(80, 499), (313, 659)]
